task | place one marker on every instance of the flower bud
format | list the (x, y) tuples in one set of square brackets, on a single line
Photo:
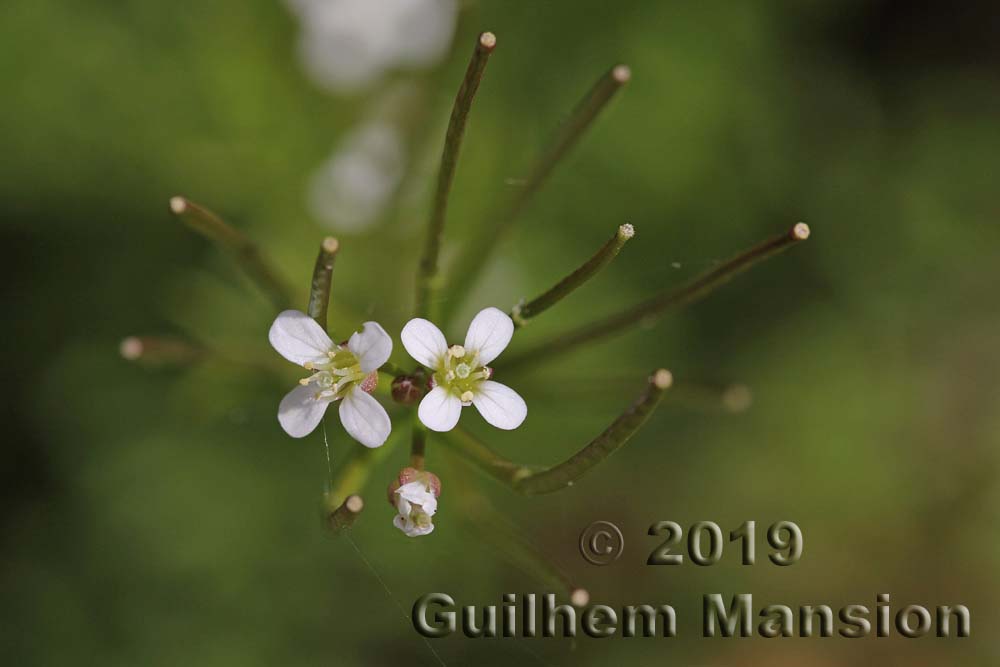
[(407, 389), (414, 494), (408, 475)]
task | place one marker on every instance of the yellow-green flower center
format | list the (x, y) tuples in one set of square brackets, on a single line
[(419, 517), (460, 373), (335, 377)]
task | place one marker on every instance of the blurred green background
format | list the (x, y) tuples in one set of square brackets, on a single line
[(162, 517)]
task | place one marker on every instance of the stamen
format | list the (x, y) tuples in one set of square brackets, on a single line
[(456, 351), (467, 397), (305, 381)]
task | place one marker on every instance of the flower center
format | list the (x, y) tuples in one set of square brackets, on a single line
[(460, 373), (335, 377), (419, 517)]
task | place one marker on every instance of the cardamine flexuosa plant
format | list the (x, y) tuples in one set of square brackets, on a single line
[(446, 375)]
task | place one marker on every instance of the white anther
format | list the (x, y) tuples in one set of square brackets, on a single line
[(467, 397), (456, 351)]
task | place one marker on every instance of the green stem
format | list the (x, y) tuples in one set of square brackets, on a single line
[(528, 481), (351, 477), (580, 119), (319, 289), (607, 443), (485, 458), (690, 292), (418, 444), (427, 274), (173, 351), (161, 350), (475, 257), (344, 515), (350, 480), (247, 255), (522, 313), (497, 530)]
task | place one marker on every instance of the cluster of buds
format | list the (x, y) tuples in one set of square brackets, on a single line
[(414, 495)]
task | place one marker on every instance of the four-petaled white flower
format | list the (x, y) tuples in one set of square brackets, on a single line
[(345, 373), (416, 504), (414, 494), (460, 375)]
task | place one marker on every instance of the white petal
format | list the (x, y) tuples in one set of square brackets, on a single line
[(489, 334), (298, 338), (299, 412), (364, 418), (372, 346), (403, 507), (416, 493), (429, 506), (424, 341), (439, 410), (500, 405)]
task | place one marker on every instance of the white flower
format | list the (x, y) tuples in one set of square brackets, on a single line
[(347, 44), (416, 504), (414, 494), (461, 376), (351, 189), (345, 373)]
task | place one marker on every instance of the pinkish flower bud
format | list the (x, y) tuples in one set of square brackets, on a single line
[(407, 475)]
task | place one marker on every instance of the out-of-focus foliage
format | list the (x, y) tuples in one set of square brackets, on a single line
[(163, 517)]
